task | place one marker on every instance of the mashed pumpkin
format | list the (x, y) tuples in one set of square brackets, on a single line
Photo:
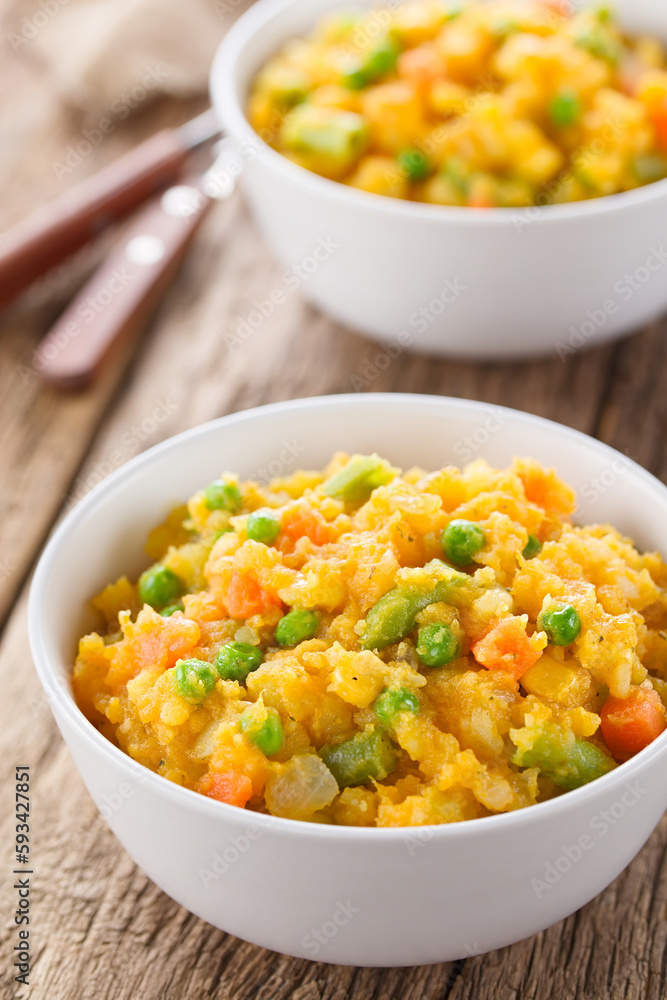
[(504, 103), (367, 647)]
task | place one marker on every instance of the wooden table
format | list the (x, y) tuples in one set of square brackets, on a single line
[(100, 928)]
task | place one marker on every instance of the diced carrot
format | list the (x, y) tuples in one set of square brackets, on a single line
[(244, 597), (659, 119), (561, 7), (421, 66), (630, 724), (304, 520), (508, 647), (152, 641), (230, 787), (544, 488), (480, 200)]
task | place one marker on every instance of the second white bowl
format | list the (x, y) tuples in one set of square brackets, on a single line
[(450, 281)]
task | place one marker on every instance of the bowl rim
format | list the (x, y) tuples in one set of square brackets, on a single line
[(61, 699), (226, 101)]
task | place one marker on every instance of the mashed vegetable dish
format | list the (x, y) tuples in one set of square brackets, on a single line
[(505, 103), (367, 647)]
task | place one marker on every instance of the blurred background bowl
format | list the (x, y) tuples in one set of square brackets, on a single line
[(495, 283)]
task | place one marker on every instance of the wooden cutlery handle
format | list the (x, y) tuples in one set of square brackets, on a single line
[(58, 229), (123, 292)]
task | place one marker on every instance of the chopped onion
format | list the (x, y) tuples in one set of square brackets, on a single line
[(300, 787), (247, 634)]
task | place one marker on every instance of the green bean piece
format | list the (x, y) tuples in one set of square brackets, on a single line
[(355, 482), (357, 760), (338, 136), (393, 617), (532, 548), (649, 167), (600, 43), (568, 764), (296, 626), (381, 59)]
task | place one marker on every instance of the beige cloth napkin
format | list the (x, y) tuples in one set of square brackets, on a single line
[(111, 57)]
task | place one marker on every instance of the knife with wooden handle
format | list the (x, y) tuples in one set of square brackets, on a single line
[(62, 227)]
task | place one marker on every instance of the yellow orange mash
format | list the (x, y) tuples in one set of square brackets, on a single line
[(351, 725), (503, 103)]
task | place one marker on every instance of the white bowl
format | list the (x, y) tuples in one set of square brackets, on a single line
[(339, 894), (449, 281)]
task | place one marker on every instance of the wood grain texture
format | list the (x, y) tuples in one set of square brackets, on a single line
[(102, 930)]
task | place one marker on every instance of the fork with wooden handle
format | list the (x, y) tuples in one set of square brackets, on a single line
[(55, 231), (121, 294)]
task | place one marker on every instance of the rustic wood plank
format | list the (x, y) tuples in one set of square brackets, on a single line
[(102, 930), (634, 417)]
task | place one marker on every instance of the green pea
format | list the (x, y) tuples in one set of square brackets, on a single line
[(533, 547), (159, 586), (262, 526), (223, 494), (235, 660), (296, 626), (565, 109), (437, 645), (461, 541), (391, 702), (561, 624), (415, 164), (357, 760), (194, 679), (171, 608), (355, 482), (267, 734)]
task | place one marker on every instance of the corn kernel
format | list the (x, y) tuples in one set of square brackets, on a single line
[(567, 684)]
